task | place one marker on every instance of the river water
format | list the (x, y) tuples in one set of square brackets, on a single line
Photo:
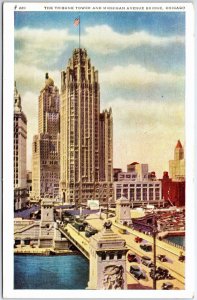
[(178, 240), (50, 272)]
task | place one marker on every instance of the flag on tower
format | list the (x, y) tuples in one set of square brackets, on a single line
[(76, 21)]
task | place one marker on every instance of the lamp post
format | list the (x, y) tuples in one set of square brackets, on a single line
[(154, 251)]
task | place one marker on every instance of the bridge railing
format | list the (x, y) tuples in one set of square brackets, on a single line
[(68, 235)]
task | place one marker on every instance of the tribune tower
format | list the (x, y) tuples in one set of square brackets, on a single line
[(86, 135)]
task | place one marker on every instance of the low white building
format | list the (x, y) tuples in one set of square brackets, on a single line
[(139, 192)]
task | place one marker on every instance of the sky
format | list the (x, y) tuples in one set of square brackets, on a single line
[(140, 57)]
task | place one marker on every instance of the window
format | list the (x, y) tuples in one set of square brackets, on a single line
[(119, 256), (144, 194), (111, 256), (151, 194), (132, 194), (138, 194)]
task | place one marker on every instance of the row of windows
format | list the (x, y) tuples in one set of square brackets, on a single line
[(138, 185)]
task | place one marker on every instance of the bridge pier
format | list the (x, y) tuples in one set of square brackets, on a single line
[(107, 260)]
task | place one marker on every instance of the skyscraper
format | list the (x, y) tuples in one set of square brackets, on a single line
[(20, 152), (46, 145), (86, 135), (177, 166)]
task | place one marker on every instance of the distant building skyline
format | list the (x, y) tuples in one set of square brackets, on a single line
[(141, 62)]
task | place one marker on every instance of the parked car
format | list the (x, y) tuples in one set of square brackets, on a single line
[(162, 258), (89, 231), (80, 226), (132, 257), (167, 286), (145, 260), (146, 247), (138, 239), (137, 272), (160, 274), (122, 231), (182, 258)]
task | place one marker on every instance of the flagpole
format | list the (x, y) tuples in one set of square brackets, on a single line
[(79, 31)]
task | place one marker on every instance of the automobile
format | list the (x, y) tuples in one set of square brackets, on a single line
[(137, 272), (122, 231), (111, 215), (160, 273), (138, 239), (182, 258), (89, 231), (145, 260), (132, 257), (146, 247), (167, 286), (162, 258), (162, 270), (79, 226)]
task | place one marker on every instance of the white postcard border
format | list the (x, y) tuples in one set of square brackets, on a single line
[(8, 84)]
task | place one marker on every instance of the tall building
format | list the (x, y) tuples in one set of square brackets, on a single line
[(86, 134), (46, 144), (106, 147), (177, 166), (20, 153)]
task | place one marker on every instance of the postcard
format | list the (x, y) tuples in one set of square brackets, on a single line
[(98, 150)]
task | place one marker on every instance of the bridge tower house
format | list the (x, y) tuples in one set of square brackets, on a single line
[(46, 233), (123, 214), (107, 260)]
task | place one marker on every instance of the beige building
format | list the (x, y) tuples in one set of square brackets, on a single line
[(20, 153), (86, 134), (46, 145), (177, 166), (137, 187), (139, 171)]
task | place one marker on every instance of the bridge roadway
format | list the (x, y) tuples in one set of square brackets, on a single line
[(175, 267)]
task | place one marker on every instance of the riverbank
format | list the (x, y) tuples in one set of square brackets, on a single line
[(27, 250), (176, 233)]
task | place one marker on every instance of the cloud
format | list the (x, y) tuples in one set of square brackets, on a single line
[(132, 76), (146, 132), (41, 46), (102, 39), (32, 78)]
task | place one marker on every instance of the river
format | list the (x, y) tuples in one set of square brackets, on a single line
[(50, 272), (178, 240)]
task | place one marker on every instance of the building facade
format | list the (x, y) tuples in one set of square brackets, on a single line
[(86, 135), (177, 165), (46, 144), (20, 153), (138, 188), (173, 192)]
